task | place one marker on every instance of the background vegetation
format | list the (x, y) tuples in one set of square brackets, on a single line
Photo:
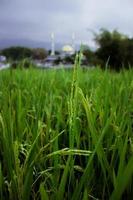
[(114, 50), (21, 53)]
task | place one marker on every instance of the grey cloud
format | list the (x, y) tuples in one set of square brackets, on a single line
[(35, 19)]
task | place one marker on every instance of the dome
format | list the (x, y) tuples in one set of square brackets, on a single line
[(67, 48)]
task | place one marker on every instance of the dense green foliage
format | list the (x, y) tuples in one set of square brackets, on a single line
[(20, 53), (17, 53), (90, 57), (66, 135), (115, 48), (39, 54)]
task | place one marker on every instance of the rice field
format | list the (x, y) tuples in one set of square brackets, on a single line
[(66, 134)]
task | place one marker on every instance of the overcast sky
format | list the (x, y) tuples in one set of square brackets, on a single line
[(36, 19)]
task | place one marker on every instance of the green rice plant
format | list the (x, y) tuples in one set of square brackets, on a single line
[(72, 104), (1, 182), (66, 134)]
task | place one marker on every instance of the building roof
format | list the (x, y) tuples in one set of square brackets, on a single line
[(68, 48)]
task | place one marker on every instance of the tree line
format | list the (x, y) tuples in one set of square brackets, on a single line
[(114, 51), (20, 53)]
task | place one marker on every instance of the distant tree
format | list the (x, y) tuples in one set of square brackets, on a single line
[(49, 52), (128, 53), (56, 52), (90, 57), (115, 49), (69, 59), (57, 61), (17, 53), (39, 54)]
